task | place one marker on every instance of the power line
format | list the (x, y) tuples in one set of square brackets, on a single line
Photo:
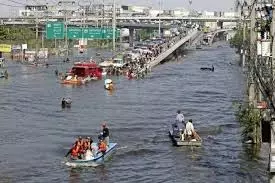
[(3, 4)]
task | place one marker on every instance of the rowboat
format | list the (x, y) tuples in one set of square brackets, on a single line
[(98, 158), (178, 142)]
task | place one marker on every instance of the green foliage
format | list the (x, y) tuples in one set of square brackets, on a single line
[(237, 40), (17, 34), (249, 119)]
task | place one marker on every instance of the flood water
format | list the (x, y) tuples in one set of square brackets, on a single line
[(35, 133)]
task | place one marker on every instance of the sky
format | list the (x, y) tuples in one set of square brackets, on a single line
[(200, 5)]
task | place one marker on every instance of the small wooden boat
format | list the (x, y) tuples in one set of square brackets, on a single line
[(78, 81), (178, 142), (198, 47), (99, 158)]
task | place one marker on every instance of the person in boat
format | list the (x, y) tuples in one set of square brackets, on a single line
[(189, 131), (102, 147), (75, 151), (75, 143), (178, 124), (88, 151), (75, 78), (105, 133), (180, 117)]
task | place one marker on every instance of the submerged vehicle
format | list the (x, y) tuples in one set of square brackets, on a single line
[(83, 72)]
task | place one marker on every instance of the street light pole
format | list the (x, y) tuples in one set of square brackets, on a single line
[(114, 26), (159, 17), (190, 10), (66, 10)]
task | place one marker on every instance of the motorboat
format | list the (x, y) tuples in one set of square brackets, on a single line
[(94, 157)]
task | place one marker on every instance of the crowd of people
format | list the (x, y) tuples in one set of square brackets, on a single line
[(85, 149), (138, 60)]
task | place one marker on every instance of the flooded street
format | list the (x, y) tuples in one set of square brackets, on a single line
[(36, 133)]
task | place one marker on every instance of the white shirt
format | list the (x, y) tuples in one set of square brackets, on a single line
[(180, 118), (88, 155), (189, 128)]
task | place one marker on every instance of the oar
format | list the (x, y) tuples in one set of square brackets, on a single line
[(70, 150)]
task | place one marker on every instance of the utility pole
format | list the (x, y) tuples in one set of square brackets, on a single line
[(114, 26), (66, 3), (253, 58), (159, 17), (273, 51), (244, 38), (36, 35)]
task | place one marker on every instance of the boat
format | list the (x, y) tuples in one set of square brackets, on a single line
[(198, 47), (177, 141), (106, 64), (118, 63), (83, 72), (99, 158)]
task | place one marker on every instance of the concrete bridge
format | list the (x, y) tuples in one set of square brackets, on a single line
[(179, 41), (216, 32), (192, 37)]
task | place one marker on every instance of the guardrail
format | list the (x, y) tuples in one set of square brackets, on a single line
[(206, 18), (169, 51)]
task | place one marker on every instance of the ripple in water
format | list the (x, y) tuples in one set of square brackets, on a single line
[(36, 133)]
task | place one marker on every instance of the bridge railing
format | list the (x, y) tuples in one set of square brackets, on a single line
[(179, 41)]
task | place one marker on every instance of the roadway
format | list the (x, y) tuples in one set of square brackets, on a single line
[(150, 18)]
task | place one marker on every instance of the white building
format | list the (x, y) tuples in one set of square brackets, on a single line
[(180, 12), (230, 14), (208, 13)]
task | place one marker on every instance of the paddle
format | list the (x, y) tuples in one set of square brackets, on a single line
[(69, 152)]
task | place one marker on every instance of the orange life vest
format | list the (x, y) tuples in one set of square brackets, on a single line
[(75, 151), (102, 147)]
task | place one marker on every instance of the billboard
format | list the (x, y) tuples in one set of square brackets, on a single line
[(5, 48)]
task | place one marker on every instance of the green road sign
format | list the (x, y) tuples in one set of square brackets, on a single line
[(74, 33), (108, 33), (55, 30), (91, 33)]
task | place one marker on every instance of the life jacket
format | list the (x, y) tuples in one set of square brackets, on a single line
[(85, 146), (82, 149), (102, 147), (75, 151)]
